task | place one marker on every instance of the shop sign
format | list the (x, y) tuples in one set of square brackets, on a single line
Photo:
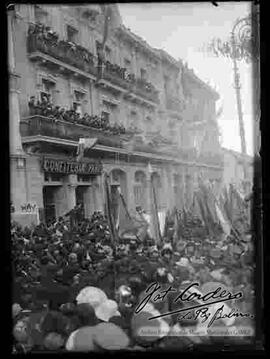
[(70, 167)]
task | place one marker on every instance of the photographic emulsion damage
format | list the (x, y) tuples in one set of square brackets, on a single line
[(134, 132)]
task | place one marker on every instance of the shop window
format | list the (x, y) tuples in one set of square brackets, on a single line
[(53, 177), (57, 177), (84, 178), (72, 34)]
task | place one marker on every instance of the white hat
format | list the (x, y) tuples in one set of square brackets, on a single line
[(107, 310), (184, 262), (91, 295), (217, 274), (167, 246)]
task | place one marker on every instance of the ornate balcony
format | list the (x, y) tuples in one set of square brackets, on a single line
[(62, 54), (36, 126), (72, 58)]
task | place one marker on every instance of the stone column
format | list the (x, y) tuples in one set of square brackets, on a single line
[(14, 91)]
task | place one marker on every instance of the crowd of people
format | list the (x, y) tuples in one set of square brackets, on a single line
[(75, 289), (44, 107), (81, 57), (47, 40)]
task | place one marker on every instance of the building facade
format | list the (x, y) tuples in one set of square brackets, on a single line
[(168, 114), (234, 170)]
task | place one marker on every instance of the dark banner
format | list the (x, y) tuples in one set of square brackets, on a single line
[(69, 167)]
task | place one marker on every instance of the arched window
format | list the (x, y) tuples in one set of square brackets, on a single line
[(140, 189)]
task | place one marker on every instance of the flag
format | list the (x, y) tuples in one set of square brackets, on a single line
[(150, 168), (108, 212), (112, 20), (224, 223), (84, 144)]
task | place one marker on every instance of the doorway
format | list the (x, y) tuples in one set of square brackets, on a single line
[(49, 203), (81, 192)]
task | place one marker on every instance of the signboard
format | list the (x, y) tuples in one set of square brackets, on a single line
[(70, 167)]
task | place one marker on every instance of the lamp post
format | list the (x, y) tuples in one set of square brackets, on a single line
[(241, 35), (243, 45), (242, 30)]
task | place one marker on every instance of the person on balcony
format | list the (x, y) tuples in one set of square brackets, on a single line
[(32, 106)]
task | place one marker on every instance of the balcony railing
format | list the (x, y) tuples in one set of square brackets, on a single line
[(84, 60), (63, 51), (49, 127)]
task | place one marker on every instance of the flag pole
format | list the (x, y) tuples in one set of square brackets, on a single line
[(127, 212), (111, 223), (156, 212)]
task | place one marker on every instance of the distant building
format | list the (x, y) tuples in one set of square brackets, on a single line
[(234, 169), (169, 115)]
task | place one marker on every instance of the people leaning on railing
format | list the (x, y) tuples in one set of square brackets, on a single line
[(44, 107), (80, 57)]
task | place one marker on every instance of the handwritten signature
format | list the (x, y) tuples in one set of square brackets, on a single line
[(219, 295)]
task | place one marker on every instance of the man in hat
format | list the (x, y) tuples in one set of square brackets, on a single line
[(32, 106)]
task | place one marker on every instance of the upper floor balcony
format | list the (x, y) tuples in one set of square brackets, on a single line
[(38, 126), (62, 54), (45, 47)]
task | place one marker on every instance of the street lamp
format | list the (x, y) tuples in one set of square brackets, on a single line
[(241, 28), (243, 45)]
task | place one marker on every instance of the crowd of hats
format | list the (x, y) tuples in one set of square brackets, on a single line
[(43, 36), (74, 291), (46, 108)]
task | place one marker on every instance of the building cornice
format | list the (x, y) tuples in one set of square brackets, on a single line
[(150, 156)]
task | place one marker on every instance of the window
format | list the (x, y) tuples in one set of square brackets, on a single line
[(41, 15), (48, 88), (127, 64), (84, 178), (78, 102), (148, 123), (108, 53), (72, 34), (143, 74), (53, 177)]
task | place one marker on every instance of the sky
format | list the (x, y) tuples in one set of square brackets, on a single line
[(181, 29)]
